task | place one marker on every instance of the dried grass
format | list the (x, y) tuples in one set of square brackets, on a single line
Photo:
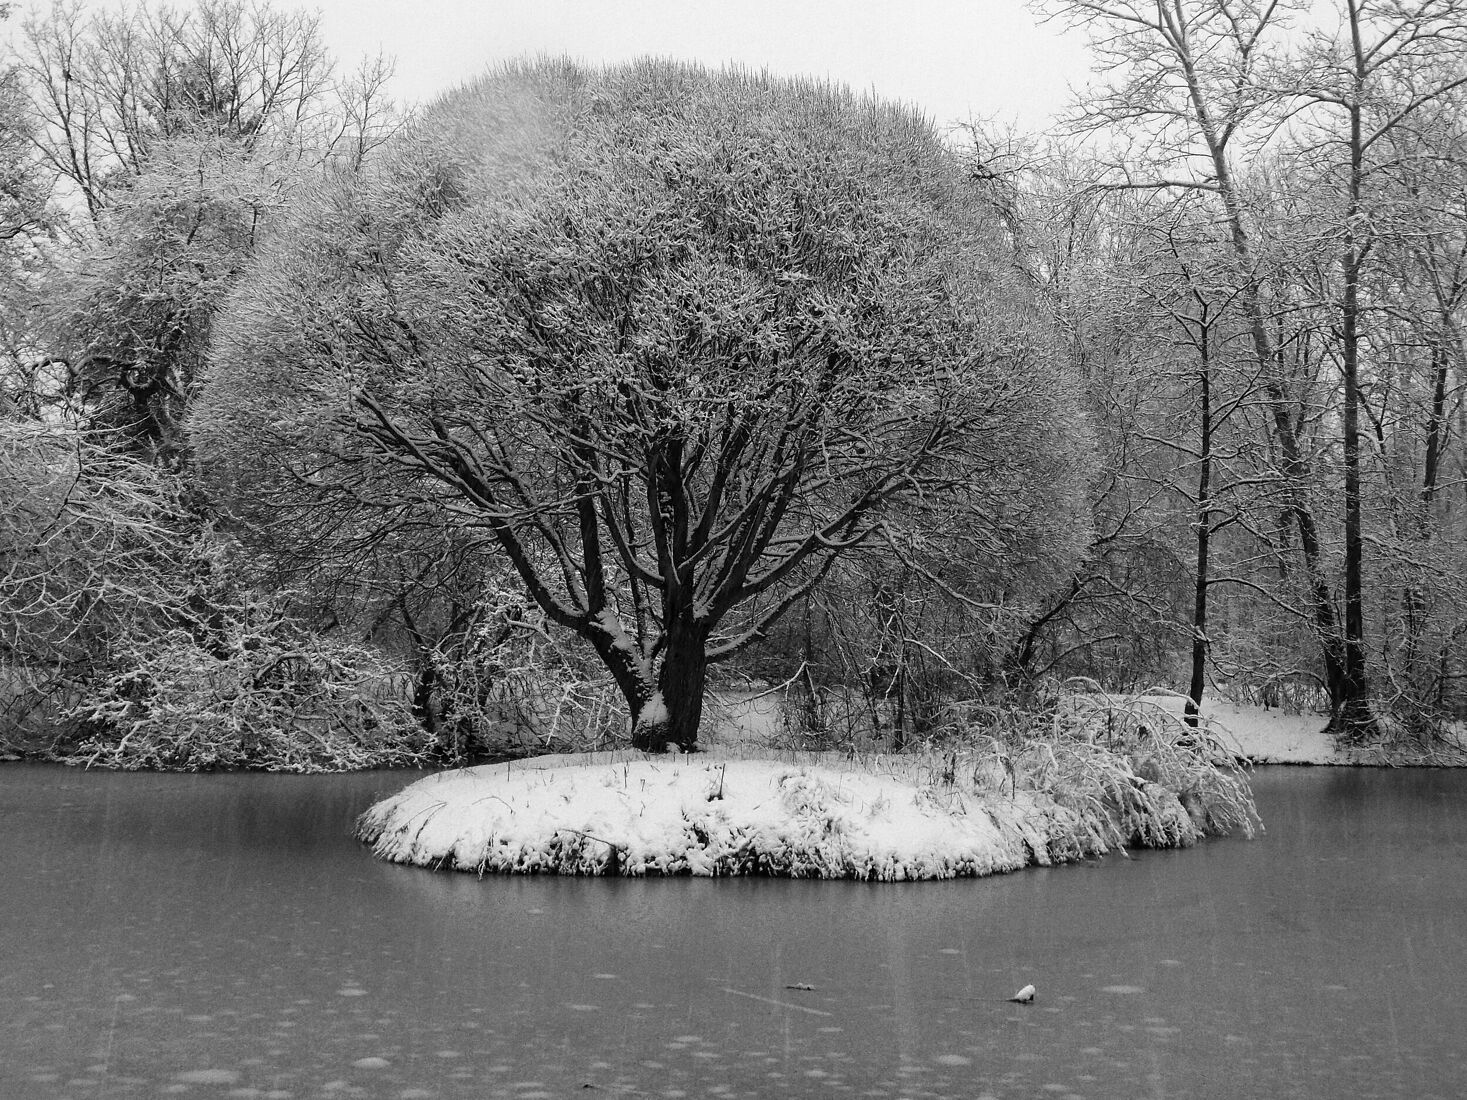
[(1126, 771)]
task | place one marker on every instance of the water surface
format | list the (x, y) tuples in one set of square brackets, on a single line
[(224, 935)]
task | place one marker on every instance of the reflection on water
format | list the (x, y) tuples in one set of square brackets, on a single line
[(213, 936)]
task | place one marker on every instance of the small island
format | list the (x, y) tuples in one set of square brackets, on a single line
[(1114, 775)]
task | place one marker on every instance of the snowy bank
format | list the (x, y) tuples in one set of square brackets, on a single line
[(1265, 736), (824, 816), (1272, 736)]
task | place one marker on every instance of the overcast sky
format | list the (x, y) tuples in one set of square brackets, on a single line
[(952, 58)]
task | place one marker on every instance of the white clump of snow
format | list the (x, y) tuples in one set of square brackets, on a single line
[(654, 711), (611, 625), (625, 814)]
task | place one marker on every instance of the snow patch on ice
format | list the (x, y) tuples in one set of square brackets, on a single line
[(207, 1077)]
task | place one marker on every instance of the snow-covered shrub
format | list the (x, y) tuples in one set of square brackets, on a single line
[(1159, 780), (89, 550), (317, 707), (1131, 771), (257, 690), (512, 688), (813, 815), (1125, 771)]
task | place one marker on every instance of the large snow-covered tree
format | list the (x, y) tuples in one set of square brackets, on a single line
[(675, 341)]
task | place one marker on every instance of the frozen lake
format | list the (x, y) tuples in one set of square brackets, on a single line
[(223, 935)]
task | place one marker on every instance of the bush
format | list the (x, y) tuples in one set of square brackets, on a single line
[(128, 637), (264, 692), (1134, 770), (512, 688), (91, 544)]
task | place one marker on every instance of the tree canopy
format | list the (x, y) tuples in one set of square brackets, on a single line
[(673, 340)]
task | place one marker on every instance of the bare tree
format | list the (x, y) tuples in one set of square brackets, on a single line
[(28, 220), (1187, 77), (1412, 295), (107, 86)]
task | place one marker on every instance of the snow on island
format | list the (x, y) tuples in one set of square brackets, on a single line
[(808, 816)]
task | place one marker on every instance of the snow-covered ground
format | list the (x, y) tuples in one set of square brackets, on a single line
[(1272, 736), (1266, 736), (808, 815), (621, 813)]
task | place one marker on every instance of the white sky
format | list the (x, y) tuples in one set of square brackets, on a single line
[(952, 58)]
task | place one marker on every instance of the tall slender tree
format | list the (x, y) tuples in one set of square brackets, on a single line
[(1190, 74)]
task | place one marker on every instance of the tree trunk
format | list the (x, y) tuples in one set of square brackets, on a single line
[(1204, 540), (673, 711), (1019, 659), (1415, 604), (1351, 711), (1352, 708), (423, 686)]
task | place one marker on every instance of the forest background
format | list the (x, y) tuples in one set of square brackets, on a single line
[(1240, 264)]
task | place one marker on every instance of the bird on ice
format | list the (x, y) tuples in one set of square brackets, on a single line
[(1023, 996)]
